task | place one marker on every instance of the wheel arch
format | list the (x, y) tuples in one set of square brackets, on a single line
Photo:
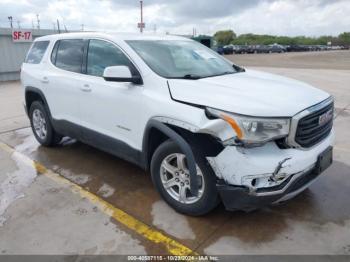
[(192, 144), (32, 94)]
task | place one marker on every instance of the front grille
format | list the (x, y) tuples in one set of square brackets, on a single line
[(309, 131)]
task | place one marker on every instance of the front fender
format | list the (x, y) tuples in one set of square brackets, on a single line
[(184, 146)]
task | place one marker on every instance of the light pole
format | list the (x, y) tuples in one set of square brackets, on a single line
[(141, 25), (10, 20), (38, 21)]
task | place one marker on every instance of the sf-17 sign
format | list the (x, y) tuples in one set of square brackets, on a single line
[(19, 36)]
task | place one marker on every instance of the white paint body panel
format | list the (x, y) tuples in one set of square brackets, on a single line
[(122, 110), (251, 93)]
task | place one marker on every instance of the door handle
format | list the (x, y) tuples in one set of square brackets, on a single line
[(44, 80), (85, 88)]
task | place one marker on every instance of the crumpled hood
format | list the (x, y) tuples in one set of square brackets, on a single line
[(251, 93)]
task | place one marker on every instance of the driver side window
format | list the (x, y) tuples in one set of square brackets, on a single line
[(102, 54)]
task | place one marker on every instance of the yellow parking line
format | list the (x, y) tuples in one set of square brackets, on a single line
[(174, 247)]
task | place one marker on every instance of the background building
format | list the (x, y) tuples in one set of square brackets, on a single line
[(12, 54)]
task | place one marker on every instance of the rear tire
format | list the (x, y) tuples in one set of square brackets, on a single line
[(168, 155), (41, 125)]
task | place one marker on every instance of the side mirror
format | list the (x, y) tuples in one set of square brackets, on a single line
[(120, 74)]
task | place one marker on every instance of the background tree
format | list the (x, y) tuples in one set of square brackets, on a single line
[(344, 38), (224, 37)]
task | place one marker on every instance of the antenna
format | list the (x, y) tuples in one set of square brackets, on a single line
[(10, 20)]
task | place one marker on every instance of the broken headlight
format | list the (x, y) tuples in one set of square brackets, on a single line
[(253, 130)]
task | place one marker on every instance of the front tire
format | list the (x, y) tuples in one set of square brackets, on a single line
[(170, 176), (41, 125)]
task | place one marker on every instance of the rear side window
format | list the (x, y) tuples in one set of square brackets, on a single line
[(102, 54), (36, 52), (69, 54)]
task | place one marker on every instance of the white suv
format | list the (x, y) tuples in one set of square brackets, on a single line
[(207, 130)]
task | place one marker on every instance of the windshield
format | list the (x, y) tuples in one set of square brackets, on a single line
[(181, 58)]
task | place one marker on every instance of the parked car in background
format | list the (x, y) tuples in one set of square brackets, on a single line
[(275, 48), (241, 49), (260, 49), (228, 49), (206, 129), (219, 49), (297, 48), (336, 47), (321, 47)]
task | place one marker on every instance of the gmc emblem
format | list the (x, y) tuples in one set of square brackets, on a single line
[(326, 117)]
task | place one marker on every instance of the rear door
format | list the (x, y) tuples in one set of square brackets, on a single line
[(64, 80), (32, 73)]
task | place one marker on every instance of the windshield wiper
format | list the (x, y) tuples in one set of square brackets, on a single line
[(221, 74), (191, 76), (227, 73), (238, 69)]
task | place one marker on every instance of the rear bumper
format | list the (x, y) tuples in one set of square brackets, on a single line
[(240, 198)]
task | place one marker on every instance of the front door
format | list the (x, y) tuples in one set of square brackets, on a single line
[(109, 108)]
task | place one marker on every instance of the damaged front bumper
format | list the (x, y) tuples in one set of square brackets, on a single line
[(250, 178), (240, 198)]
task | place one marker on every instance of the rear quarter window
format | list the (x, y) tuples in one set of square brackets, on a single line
[(36, 52)]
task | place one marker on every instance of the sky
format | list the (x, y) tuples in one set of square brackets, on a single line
[(276, 17)]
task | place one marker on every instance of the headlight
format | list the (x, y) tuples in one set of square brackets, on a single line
[(253, 130)]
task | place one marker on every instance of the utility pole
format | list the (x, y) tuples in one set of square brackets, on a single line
[(38, 21), (58, 26), (155, 28), (141, 25), (10, 20), (82, 27), (54, 26), (32, 24), (18, 24)]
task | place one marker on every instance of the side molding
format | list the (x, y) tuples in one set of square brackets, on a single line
[(185, 147)]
